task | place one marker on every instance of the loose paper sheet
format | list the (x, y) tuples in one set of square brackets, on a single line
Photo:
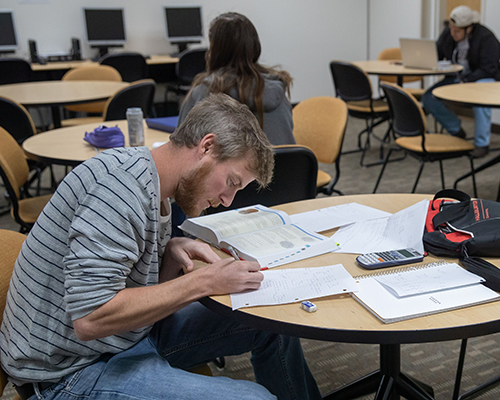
[(335, 216), (401, 230), (296, 284)]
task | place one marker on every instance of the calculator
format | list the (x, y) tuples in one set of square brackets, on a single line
[(389, 258)]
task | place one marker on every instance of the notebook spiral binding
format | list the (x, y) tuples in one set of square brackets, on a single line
[(402, 269)]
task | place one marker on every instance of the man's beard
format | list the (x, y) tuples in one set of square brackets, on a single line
[(191, 189)]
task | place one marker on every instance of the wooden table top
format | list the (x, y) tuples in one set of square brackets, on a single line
[(66, 146), (340, 317), (55, 93), (383, 67), (485, 94), (62, 65)]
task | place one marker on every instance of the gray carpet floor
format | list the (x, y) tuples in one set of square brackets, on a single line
[(336, 364)]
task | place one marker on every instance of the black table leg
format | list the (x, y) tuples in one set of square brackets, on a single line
[(482, 167), (56, 116), (389, 382)]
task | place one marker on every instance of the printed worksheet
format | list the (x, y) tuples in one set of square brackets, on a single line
[(335, 216), (401, 230), (296, 284)]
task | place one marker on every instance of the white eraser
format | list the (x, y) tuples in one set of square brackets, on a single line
[(308, 306)]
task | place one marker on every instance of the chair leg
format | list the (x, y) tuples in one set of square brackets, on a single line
[(460, 368), (418, 176), (473, 174), (442, 173), (382, 170)]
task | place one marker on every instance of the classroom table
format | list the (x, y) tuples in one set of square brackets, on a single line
[(472, 94), (64, 65), (60, 93), (340, 318), (159, 65), (65, 146), (394, 68)]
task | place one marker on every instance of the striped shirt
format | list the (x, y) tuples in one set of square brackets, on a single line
[(100, 233)]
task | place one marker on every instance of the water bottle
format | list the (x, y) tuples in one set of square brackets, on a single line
[(135, 127)]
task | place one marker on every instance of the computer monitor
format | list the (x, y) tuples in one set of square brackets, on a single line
[(184, 26), (8, 40), (105, 28)]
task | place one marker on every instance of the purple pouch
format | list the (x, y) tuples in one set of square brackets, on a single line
[(105, 137)]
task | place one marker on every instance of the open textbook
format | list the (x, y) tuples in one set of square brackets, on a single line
[(416, 291), (260, 234)]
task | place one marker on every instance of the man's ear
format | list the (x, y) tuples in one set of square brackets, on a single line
[(207, 145)]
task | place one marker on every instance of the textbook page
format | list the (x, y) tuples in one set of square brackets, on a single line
[(335, 216), (401, 230), (296, 284), (280, 245), (215, 227)]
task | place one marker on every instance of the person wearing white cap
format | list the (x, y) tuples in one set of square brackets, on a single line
[(468, 43)]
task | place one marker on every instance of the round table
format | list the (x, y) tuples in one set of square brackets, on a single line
[(472, 94), (394, 68), (340, 318), (65, 146), (60, 93)]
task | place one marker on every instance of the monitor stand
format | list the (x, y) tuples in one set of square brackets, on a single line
[(183, 46), (103, 49)]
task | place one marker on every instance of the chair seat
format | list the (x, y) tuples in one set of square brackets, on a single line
[(323, 179), (435, 143), (81, 121), (30, 208), (379, 106)]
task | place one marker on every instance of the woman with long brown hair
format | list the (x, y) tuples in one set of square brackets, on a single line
[(233, 68)]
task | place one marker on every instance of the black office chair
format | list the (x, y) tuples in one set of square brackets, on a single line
[(408, 122), (16, 120), (191, 63), (138, 94), (14, 70), (294, 179), (131, 66), (353, 86)]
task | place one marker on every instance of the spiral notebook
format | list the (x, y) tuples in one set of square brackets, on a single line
[(416, 291)]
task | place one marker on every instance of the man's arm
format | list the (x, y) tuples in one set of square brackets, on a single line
[(487, 64), (133, 308)]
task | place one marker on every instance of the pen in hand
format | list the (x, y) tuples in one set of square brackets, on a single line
[(233, 253)]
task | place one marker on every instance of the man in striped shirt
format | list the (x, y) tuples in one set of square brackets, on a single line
[(96, 307)]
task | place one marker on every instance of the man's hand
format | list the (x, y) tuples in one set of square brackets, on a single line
[(179, 255), (230, 276)]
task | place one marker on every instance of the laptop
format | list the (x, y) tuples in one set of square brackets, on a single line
[(421, 53)]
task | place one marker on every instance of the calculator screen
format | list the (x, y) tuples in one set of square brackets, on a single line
[(406, 253)]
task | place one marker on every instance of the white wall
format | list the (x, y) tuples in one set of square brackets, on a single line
[(301, 36), (391, 20), (490, 11)]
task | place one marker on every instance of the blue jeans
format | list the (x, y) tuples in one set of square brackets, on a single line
[(154, 367), (450, 121)]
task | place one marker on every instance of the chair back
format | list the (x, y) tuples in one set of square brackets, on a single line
[(319, 123), (394, 53), (93, 73), (14, 70), (191, 63), (408, 118), (294, 179), (16, 120), (138, 94), (131, 66), (351, 83), (13, 165), (10, 247)]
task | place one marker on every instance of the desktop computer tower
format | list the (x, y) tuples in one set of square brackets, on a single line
[(33, 51), (76, 51)]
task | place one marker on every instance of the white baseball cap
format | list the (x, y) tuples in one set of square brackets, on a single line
[(462, 16)]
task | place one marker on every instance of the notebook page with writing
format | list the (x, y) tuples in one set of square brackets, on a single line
[(390, 308), (412, 281)]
